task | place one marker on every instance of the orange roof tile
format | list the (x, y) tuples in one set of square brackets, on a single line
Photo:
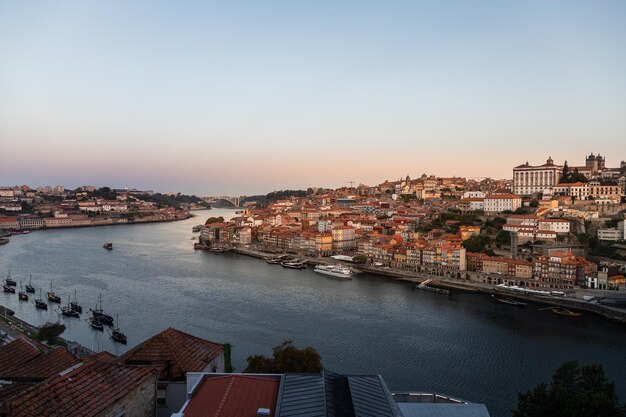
[(16, 353), (87, 390), (178, 352), (233, 396), (43, 366)]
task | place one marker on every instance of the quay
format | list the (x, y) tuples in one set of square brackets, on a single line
[(417, 279)]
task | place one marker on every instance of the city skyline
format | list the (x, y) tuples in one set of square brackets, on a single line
[(251, 98)]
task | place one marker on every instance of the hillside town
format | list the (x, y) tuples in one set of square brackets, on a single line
[(550, 226), (23, 208)]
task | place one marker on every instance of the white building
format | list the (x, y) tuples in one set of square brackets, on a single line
[(528, 179), (498, 203), (474, 194), (555, 225)]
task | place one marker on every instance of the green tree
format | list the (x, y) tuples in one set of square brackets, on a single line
[(534, 204), (212, 220), (574, 392), (503, 238), (49, 332), (564, 173), (360, 259), (477, 243), (286, 358)]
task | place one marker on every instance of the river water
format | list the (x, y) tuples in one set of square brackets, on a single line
[(462, 345)]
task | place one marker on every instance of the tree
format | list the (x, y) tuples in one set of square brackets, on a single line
[(286, 358), (534, 204), (503, 238), (574, 392), (50, 331), (360, 259), (477, 243), (212, 220), (565, 173)]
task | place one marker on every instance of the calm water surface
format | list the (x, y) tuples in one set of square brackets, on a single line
[(463, 345)]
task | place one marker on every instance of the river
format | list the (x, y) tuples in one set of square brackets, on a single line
[(462, 345)]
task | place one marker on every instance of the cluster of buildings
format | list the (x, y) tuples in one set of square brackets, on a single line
[(602, 184), (24, 208), (176, 374), (406, 225)]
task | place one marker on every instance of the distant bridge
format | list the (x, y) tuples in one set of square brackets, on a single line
[(234, 201)]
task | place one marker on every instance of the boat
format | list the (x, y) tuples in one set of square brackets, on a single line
[(108, 246), (95, 323), (117, 335), (29, 287), (74, 304), (294, 264), (4, 240), (507, 300), (99, 313), (220, 249), (201, 246), (68, 310), (334, 270), (8, 289), (39, 303), (22, 295), (9, 281), (52, 297), (275, 259), (565, 312), (196, 229)]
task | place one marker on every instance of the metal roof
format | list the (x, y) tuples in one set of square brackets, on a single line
[(302, 396), (333, 395), (443, 410)]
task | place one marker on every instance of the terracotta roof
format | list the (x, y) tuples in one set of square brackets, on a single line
[(233, 396), (16, 353), (43, 366), (86, 390), (175, 351)]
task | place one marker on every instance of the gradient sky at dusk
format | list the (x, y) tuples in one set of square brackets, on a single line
[(239, 97)]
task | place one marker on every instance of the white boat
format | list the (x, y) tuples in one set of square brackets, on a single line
[(334, 270)]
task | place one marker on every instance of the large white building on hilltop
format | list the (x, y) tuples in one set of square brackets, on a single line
[(529, 179)]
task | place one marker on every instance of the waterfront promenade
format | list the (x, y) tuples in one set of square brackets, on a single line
[(573, 300)]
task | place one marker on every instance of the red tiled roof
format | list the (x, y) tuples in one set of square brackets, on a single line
[(233, 396), (16, 353), (178, 352), (44, 366), (87, 390)]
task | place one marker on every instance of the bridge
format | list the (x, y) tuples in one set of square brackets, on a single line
[(219, 200)]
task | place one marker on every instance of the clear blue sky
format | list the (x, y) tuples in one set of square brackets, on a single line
[(247, 97)]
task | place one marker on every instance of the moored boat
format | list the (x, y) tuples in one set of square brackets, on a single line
[(68, 311), (22, 296), (275, 260), (52, 297), (565, 312), (117, 335), (74, 304), (8, 289), (95, 323), (39, 303), (4, 240), (9, 281), (29, 287), (507, 300), (294, 264), (334, 270), (98, 313)]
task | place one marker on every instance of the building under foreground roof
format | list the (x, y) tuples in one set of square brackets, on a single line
[(312, 395)]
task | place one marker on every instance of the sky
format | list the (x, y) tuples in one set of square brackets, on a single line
[(247, 97)]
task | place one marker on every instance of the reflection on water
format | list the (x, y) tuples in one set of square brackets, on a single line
[(463, 345)]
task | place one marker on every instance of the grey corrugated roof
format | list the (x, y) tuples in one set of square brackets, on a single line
[(302, 396), (443, 410), (371, 398)]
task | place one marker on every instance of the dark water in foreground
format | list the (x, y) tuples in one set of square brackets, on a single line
[(463, 345)]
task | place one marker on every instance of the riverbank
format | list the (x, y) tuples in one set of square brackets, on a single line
[(415, 278)]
